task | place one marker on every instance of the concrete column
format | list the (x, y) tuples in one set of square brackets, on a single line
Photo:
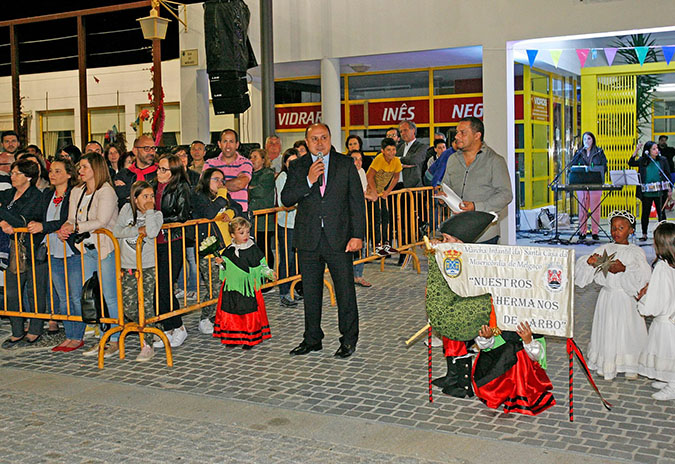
[(498, 119), (330, 99), (194, 81)]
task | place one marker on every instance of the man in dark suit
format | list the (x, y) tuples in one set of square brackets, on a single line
[(329, 226), (413, 155)]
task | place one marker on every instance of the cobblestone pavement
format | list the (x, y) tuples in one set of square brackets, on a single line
[(383, 383)]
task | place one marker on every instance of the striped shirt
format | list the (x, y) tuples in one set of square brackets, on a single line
[(231, 171)]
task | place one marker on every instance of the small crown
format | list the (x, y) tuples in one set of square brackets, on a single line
[(453, 254)]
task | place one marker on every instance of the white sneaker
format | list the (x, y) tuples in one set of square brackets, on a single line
[(206, 326), (158, 341), (92, 331), (191, 295), (666, 393), (179, 336), (146, 354), (659, 385), (180, 293)]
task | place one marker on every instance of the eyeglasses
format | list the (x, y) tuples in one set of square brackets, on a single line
[(163, 169), (147, 148)]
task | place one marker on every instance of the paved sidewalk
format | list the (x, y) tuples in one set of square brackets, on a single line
[(379, 393)]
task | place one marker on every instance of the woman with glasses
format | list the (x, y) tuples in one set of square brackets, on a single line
[(172, 198), (93, 205), (210, 197), (17, 209)]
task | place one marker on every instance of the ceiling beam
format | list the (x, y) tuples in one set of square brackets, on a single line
[(76, 13)]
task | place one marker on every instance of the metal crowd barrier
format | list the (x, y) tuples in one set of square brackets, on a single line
[(409, 212), (19, 308)]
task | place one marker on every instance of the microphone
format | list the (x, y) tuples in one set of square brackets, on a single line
[(320, 179)]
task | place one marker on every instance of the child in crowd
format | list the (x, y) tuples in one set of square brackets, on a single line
[(657, 360), (509, 371), (136, 217), (241, 318), (618, 334)]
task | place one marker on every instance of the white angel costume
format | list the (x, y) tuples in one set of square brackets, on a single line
[(657, 360), (618, 334)]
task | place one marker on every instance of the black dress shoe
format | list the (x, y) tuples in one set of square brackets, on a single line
[(304, 348), (595, 237), (345, 351)]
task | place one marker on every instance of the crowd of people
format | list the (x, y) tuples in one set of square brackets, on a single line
[(137, 191)]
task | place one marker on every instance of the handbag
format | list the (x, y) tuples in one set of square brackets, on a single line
[(41, 253), (91, 301), (17, 264)]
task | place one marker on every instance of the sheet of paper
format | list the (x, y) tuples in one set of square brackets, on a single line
[(451, 199)]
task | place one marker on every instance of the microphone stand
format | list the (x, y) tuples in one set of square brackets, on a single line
[(554, 185)]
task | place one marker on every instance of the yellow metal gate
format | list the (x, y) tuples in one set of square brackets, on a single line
[(617, 132)]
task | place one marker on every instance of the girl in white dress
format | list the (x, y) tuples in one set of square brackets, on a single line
[(657, 360), (618, 334)]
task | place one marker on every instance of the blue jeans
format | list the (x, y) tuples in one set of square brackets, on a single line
[(74, 330), (285, 235), (108, 280), (192, 270)]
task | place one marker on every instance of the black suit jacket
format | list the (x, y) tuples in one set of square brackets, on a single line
[(417, 156), (342, 207)]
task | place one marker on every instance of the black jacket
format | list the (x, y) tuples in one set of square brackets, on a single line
[(128, 177), (23, 211), (597, 161), (642, 162), (176, 202), (342, 208)]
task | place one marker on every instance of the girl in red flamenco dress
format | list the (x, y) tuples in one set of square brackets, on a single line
[(241, 318)]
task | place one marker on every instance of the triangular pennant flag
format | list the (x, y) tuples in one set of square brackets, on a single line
[(610, 53), (594, 53), (531, 55), (582, 53), (641, 54), (555, 56), (668, 53)]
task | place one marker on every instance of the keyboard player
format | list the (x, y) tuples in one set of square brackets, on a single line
[(592, 156)]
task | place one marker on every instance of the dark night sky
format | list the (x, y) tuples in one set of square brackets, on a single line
[(113, 39)]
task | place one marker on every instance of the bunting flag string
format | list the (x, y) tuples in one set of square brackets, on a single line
[(582, 53), (642, 54), (555, 56), (610, 54), (531, 55)]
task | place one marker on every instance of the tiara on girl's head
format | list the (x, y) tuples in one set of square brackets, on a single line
[(623, 214)]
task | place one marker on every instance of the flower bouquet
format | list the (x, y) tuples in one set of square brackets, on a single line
[(210, 246)]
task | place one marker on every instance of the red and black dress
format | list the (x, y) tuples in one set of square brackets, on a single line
[(506, 375), (241, 318)]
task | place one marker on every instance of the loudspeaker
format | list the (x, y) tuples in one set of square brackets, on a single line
[(227, 84), (231, 105), (233, 88)]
